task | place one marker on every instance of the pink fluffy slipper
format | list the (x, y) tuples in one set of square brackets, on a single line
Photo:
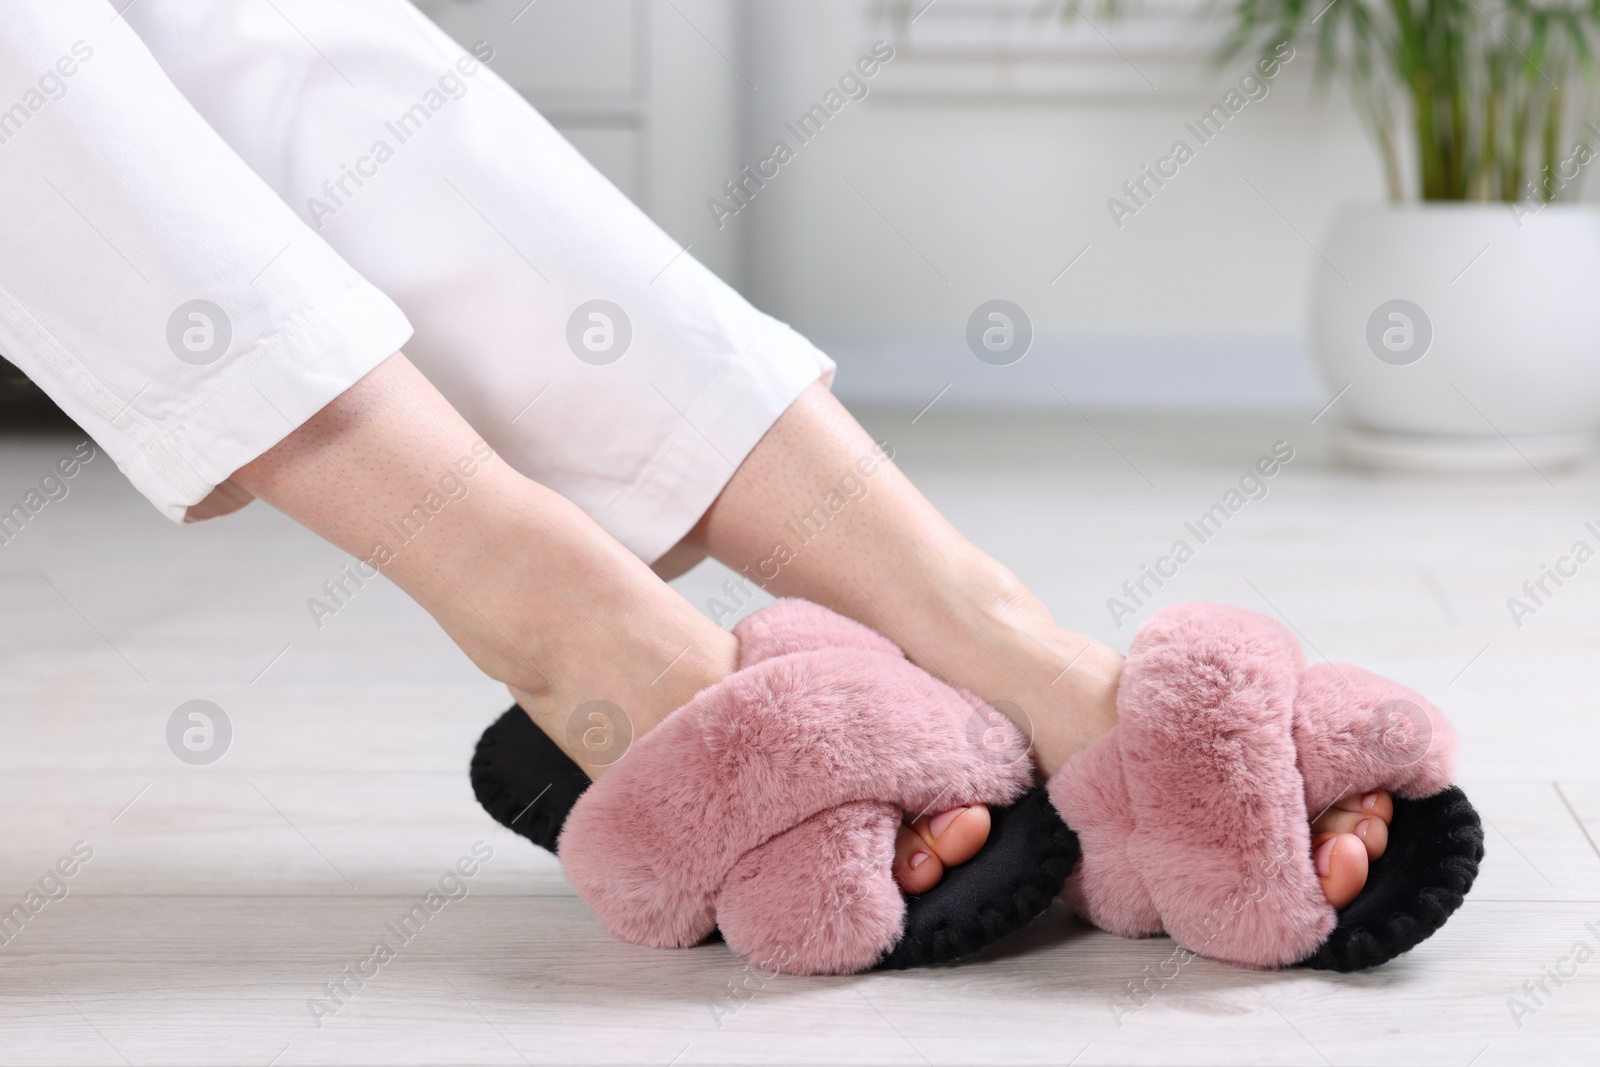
[(1193, 813), (767, 807)]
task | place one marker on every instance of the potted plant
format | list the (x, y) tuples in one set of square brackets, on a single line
[(1460, 324)]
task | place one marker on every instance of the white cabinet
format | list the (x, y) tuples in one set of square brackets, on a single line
[(583, 63)]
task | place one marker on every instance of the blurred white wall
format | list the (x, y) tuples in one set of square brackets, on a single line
[(978, 166)]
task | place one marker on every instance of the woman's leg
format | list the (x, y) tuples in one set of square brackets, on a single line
[(537, 595), (531, 589), (818, 511)]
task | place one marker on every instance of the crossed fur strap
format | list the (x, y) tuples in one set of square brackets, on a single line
[(769, 803), (1193, 812)]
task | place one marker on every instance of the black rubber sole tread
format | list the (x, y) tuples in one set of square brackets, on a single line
[(1009, 883), (1435, 849)]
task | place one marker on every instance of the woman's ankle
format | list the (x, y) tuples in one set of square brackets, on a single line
[(610, 684), (989, 634)]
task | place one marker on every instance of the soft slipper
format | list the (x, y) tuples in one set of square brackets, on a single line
[(1194, 812), (767, 808)]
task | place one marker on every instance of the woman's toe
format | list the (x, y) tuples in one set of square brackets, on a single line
[(917, 867), (1341, 864), (1377, 803), (1370, 828), (955, 836)]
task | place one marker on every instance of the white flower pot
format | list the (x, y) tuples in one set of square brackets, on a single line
[(1462, 336)]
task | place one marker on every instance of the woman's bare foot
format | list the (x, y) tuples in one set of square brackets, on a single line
[(1067, 710), (930, 844), (925, 847), (1345, 838)]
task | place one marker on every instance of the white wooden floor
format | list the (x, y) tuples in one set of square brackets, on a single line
[(220, 899)]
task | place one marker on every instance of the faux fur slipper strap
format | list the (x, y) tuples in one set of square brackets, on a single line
[(769, 803), (1194, 811)]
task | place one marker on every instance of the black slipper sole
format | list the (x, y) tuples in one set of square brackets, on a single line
[(1435, 847), (529, 785)]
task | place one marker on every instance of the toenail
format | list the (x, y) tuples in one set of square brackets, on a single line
[(917, 860), (941, 822), (1369, 802), (1324, 858), (1362, 827)]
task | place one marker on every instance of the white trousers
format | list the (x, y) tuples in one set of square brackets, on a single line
[(217, 215)]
